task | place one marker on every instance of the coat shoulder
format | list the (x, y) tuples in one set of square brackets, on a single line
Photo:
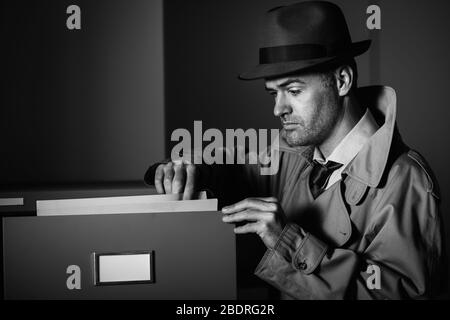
[(413, 165)]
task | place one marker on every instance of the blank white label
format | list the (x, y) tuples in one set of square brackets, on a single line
[(124, 268)]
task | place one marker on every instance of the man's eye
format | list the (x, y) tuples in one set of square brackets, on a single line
[(294, 92), (273, 93)]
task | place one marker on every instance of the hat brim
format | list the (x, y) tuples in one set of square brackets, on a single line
[(283, 68)]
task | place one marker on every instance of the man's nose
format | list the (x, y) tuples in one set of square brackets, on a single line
[(281, 106)]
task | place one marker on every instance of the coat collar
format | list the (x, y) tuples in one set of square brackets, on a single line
[(369, 165)]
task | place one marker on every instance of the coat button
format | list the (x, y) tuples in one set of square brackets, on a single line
[(302, 265)]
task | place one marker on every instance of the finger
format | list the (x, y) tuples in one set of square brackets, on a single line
[(189, 188), (168, 177), (269, 199), (248, 228), (246, 215), (159, 173), (251, 203), (179, 178), (177, 161)]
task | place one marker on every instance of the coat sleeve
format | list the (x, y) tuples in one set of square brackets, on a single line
[(405, 249)]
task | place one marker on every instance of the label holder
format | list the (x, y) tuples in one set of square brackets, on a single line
[(96, 262)]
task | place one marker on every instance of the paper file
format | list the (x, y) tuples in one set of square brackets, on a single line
[(129, 204)]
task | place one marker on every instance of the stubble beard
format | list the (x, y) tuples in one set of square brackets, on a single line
[(314, 135)]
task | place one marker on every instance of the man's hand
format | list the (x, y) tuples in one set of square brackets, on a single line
[(265, 214), (176, 177)]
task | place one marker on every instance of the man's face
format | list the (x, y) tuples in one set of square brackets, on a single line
[(308, 107)]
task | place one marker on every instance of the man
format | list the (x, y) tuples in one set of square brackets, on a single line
[(352, 212)]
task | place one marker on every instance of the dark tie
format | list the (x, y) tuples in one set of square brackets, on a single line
[(320, 175)]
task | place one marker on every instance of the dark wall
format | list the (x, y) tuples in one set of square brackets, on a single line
[(80, 106), (209, 42)]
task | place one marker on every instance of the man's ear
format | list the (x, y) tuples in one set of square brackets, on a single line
[(344, 79)]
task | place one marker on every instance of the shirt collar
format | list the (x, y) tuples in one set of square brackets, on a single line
[(352, 143)]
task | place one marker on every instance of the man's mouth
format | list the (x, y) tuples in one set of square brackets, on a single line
[(290, 125)]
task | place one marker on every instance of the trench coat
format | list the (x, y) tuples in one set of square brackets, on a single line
[(375, 234)]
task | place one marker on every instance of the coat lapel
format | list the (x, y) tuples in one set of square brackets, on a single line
[(327, 217), (333, 218)]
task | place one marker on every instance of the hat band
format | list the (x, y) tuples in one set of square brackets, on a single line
[(296, 52)]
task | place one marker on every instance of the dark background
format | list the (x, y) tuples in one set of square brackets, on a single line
[(80, 106), (100, 104)]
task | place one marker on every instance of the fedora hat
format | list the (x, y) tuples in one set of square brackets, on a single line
[(302, 36)]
